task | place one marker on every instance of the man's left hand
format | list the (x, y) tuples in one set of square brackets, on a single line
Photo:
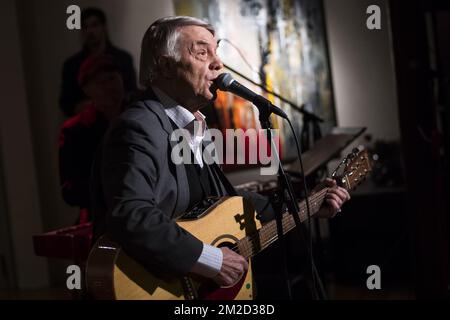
[(334, 199)]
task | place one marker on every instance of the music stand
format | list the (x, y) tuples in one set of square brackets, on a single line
[(326, 149)]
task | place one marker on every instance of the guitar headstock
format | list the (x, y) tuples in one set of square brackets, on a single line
[(358, 166)]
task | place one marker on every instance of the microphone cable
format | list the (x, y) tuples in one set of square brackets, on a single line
[(317, 282)]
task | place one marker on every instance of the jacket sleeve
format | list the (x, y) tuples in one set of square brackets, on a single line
[(129, 172)]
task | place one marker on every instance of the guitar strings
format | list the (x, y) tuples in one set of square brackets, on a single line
[(248, 243), (287, 222)]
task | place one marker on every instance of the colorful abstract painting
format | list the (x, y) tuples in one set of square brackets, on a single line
[(278, 43)]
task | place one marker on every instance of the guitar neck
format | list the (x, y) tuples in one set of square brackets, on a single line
[(268, 234), (357, 166)]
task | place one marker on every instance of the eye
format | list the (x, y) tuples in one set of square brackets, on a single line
[(202, 53)]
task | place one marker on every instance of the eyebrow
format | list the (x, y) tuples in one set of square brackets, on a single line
[(206, 43)]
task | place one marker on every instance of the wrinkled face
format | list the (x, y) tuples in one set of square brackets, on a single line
[(198, 66), (106, 90), (93, 31)]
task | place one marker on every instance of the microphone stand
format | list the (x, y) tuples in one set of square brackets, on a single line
[(284, 184), (286, 193), (305, 137)]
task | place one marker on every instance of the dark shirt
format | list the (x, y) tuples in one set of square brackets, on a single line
[(199, 183), (71, 92), (199, 180)]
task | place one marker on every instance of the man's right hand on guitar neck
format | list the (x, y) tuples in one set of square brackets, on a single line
[(233, 267)]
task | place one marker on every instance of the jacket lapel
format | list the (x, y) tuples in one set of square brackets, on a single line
[(183, 195)]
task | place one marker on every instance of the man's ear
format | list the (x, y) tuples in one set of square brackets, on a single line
[(167, 67)]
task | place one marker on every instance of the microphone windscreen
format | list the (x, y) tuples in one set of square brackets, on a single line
[(223, 81)]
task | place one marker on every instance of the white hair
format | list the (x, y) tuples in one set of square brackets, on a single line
[(161, 39)]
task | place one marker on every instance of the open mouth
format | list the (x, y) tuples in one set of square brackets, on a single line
[(212, 86), (213, 89)]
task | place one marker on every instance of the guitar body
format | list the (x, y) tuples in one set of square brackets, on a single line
[(112, 274)]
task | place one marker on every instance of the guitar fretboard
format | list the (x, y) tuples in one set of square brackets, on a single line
[(268, 234)]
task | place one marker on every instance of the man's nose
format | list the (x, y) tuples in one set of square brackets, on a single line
[(216, 63)]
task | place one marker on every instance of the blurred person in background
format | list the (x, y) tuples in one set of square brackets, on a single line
[(95, 42), (101, 81)]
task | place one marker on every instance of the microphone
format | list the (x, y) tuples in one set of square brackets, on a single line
[(225, 82)]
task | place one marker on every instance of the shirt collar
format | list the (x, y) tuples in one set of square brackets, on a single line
[(182, 117)]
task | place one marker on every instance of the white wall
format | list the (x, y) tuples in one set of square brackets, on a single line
[(362, 68), (128, 20)]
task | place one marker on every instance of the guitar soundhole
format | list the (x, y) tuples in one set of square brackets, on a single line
[(229, 245)]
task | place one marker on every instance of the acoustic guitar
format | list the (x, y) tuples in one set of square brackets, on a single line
[(226, 221)]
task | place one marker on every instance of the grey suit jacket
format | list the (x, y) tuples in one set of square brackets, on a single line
[(138, 191)]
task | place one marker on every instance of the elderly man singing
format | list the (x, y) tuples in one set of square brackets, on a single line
[(139, 191)]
